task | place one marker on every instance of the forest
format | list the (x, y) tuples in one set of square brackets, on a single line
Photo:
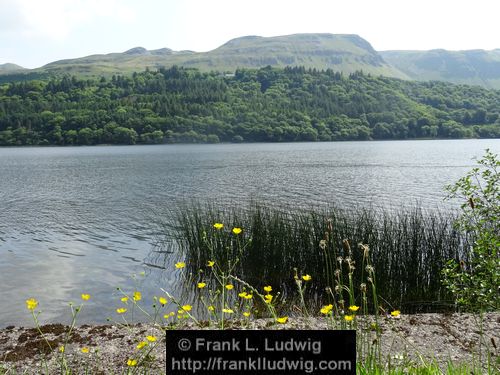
[(181, 105)]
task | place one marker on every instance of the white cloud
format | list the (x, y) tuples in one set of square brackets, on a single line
[(57, 19)]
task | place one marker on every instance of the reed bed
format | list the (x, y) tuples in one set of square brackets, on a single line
[(408, 248)]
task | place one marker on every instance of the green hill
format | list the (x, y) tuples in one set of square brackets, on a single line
[(10, 68), (344, 53), (473, 67)]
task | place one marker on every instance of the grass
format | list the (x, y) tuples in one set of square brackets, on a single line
[(408, 248)]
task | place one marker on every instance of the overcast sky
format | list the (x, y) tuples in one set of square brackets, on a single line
[(35, 32)]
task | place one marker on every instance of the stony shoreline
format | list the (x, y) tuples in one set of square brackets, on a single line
[(443, 338)]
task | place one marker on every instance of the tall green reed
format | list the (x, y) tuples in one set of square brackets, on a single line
[(408, 248)]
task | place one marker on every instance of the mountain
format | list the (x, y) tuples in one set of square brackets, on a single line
[(345, 53), (473, 67), (10, 68)]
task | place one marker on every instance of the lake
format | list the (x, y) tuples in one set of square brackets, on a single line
[(85, 219)]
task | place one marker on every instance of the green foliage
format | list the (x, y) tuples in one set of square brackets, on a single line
[(476, 283), (267, 105)]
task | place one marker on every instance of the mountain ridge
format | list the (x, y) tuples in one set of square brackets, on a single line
[(344, 53)]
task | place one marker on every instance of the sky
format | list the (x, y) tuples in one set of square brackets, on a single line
[(36, 32)]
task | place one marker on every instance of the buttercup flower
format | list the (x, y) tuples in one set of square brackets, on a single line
[(218, 226), (354, 308), (228, 311), (180, 265), (237, 230), (187, 307), (84, 350), (246, 314), (229, 286), (268, 288), (121, 310), (163, 301), (268, 298), (211, 308), (31, 304), (132, 362), (348, 318), (137, 296), (210, 263), (395, 313), (141, 345), (282, 320), (151, 338), (124, 299), (306, 277), (85, 297), (61, 348), (326, 309), (202, 285)]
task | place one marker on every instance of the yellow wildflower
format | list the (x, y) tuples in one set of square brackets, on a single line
[(31, 304), (179, 265), (61, 348), (395, 313), (282, 320), (85, 350), (187, 307), (246, 314), (268, 298), (151, 338), (211, 308), (210, 263), (306, 277), (268, 288), (354, 308), (348, 318), (141, 345), (229, 286), (326, 309), (85, 297), (132, 362), (137, 296), (237, 230), (218, 226), (121, 310), (202, 285), (163, 301), (242, 294), (228, 311), (124, 299)]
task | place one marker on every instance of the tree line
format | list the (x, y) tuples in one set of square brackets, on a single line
[(252, 105)]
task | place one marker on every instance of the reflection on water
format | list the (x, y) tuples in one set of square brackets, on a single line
[(84, 219)]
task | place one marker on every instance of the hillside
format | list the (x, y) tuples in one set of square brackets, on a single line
[(10, 68), (265, 105), (344, 53), (472, 67)]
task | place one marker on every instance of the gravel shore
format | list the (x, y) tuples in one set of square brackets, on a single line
[(459, 338)]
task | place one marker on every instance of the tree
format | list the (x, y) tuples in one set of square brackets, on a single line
[(475, 280)]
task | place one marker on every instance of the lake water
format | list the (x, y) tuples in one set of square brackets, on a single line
[(83, 219)]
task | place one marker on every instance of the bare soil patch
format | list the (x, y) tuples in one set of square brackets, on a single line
[(443, 338)]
